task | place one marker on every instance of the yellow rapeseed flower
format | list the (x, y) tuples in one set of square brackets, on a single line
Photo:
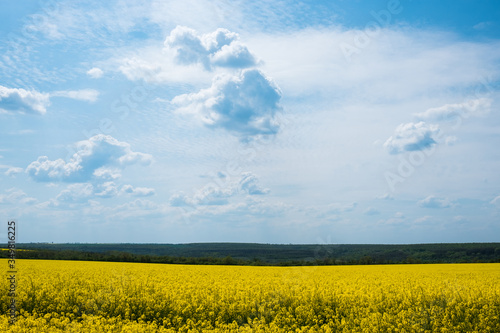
[(75, 296)]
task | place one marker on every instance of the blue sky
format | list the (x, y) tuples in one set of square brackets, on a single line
[(270, 121)]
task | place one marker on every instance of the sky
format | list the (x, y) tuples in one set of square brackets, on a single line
[(318, 122)]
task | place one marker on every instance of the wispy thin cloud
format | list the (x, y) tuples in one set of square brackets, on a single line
[(87, 95)]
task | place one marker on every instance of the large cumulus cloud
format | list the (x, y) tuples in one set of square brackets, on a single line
[(245, 104)]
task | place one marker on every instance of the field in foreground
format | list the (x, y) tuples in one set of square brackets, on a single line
[(67, 296)]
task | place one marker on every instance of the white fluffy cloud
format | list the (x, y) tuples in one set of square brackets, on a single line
[(419, 136), (138, 191), (180, 200), (411, 137), (212, 194), (448, 112), (87, 95), (23, 101), (245, 105), (434, 202), (107, 190), (34, 102), (107, 173), (187, 57), (95, 73), (148, 69), (220, 48), (100, 151)]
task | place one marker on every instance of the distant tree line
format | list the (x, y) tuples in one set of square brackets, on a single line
[(265, 254)]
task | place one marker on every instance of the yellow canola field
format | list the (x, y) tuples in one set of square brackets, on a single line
[(71, 296)]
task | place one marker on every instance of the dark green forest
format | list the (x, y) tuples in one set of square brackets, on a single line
[(262, 254)]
